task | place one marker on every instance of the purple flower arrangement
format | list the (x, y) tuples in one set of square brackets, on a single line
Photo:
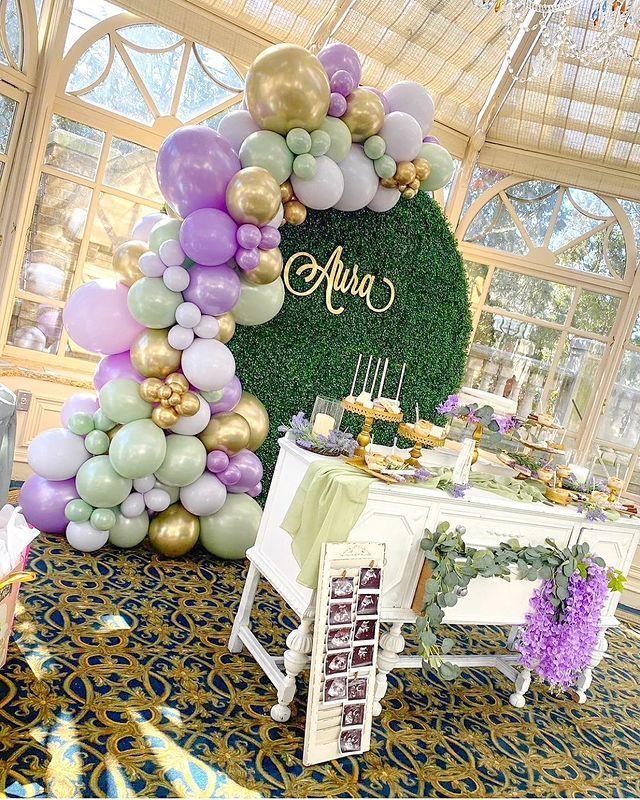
[(335, 443), (474, 414)]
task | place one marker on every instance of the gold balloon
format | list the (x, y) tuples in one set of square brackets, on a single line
[(268, 269), (364, 115), (153, 356), (164, 417), (174, 399), (253, 196), (286, 192), (388, 183), (229, 432), (174, 532), (295, 212), (125, 261), (415, 184), (256, 415), (165, 392), (189, 404), (287, 87), (409, 193), (227, 328), (149, 388), (423, 168), (178, 379), (405, 172)]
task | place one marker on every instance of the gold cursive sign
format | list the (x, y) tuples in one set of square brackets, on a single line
[(337, 278)]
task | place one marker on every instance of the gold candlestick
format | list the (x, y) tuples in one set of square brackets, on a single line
[(615, 487), (419, 441), (369, 415), (477, 436)]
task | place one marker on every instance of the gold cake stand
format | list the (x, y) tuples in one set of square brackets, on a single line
[(419, 441), (364, 437)]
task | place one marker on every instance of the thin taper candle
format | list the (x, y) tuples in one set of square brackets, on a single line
[(355, 377), (404, 366), (417, 413), (366, 377), (384, 375), (375, 377)]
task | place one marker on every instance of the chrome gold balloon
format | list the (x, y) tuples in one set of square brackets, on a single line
[(405, 172), (229, 432), (188, 405), (364, 115), (174, 532), (256, 415), (227, 328), (125, 261), (253, 196), (149, 389), (268, 269), (178, 379), (287, 87), (294, 212), (286, 192), (423, 168), (164, 417), (153, 356)]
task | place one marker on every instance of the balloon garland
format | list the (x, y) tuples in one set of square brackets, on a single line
[(167, 446)]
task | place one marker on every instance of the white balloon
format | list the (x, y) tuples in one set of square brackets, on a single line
[(133, 505), (207, 328), (172, 491), (402, 136), (413, 99), (236, 126), (325, 188), (204, 496), (171, 253), (145, 484), (384, 199), (57, 454), (142, 228), (176, 278), (277, 220), (180, 338), (360, 180), (190, 426), (151, 265), (157, 500), (188, 315), (258, 304), (83, 536), (208, 364)]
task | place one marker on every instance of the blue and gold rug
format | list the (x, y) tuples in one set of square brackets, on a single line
[(119, 683)]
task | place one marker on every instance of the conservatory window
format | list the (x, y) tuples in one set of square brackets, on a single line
[(11, 35)]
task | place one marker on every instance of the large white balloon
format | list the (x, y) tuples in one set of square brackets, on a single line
[(204, 496), (142, 228), (360, 180), (236, 126), (413, 99), (324, 189), (133, 505), (258, 304), (402, 136), (57, 454), (191, 426), (83, 536), (208, 364), (384, 199)]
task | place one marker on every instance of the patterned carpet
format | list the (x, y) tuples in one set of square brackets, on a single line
[(119, 684)]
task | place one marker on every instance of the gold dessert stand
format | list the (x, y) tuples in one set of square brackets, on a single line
[(364, 437), (419, 441)]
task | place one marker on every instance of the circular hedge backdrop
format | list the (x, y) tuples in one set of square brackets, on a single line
[(306, 350)]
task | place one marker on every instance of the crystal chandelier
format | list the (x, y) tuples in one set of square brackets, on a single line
[(591, 32)]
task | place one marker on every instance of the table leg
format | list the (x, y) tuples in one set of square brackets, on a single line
[(391, 645), (511, 641), (586, 677), (244, 608), (296, 657), (523, 681)]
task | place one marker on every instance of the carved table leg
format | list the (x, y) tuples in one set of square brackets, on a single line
[(391, 645), (584, 681), (523, 681), (513, 635), (244, 608), (296, 657)]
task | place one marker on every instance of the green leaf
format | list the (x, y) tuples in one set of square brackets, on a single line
[(450, 599), (569, 569), (599, 561), (562, 593), (451, 579), (447, 645), (428, 639)]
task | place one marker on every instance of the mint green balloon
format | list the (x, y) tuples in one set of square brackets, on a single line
[(77, 511), (268, 150), (96, 442), (230, 532), (214, 396), (184, 462), (441, 164), (152, 304), (298, 141), (138, 449), (305, 166), (374, 147), (120, 400), (129, 531), (100, 485), (80, 423), (385, 167), (103, 519), (101, 421), (163, 231), (340, 138), (320, 143), (172, 491)]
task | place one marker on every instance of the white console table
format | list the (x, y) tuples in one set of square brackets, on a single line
[(397, 515)]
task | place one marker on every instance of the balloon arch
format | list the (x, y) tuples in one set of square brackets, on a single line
[(167, 448)]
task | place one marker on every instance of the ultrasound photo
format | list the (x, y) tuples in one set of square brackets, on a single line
[(352, 714), (335, 663), (370, 578), (351, 740), (341, 588), (362, 656), (365, 629), (335, 689), (357, 688), (339, 613), (368, 605), (339, 638)]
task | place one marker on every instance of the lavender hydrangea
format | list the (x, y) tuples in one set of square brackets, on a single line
[(450, 406), (559, 649), (458, 489), (506, 424)]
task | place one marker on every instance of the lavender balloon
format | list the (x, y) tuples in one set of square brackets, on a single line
[(249, 236), (231, 395), (194, 166), (215, 290), (338, 57), (84, 402), (255, 490), (217, 461), (337, 105), (247, 259), (208, 236), (342, 82), (230, 476), (270, 238), (250, 468), (431, 140), (115, 366), (43, 502)]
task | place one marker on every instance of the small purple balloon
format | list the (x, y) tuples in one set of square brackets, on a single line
[(231, 395), (250, 468), (247, 259), (116, 366), (43, 502), (215, 290), (385, 102), (337, 105), (208, 236), (270, 238), (230, 476), (248, 236), (255, 490), (342, 82), (431, 140), (217, 461), (338, 57), (84, 402)]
